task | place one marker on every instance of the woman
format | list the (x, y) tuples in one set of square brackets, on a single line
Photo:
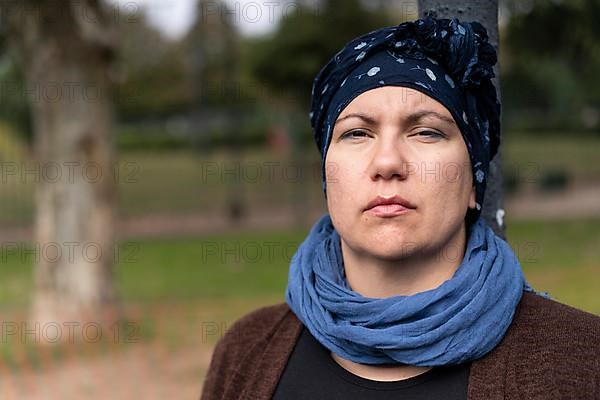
[(403, 291)]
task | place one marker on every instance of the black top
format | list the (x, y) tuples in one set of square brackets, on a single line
[(312, 374)]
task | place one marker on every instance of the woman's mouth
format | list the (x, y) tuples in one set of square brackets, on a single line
[(388, 210), (389, 206)]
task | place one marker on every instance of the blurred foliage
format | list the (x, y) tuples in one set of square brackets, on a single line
[(154, 78), (15, 109), (550, 57), (554, 180), (11, 149), (550, 53), (289, 58)]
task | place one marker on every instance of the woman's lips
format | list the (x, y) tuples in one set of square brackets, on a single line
[(388, 210)]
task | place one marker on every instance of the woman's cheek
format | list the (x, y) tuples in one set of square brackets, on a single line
[(342, 176), (336, 195), (342, 190), (339, 196)]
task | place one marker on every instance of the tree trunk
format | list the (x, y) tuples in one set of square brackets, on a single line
[(66, 49), (486, 13)]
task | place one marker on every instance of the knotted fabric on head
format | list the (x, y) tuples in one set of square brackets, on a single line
[(448, 60)]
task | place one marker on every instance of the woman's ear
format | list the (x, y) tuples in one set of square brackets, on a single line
[(472, 202)]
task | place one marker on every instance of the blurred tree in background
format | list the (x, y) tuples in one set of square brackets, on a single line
[(550, 62), (67, 65)]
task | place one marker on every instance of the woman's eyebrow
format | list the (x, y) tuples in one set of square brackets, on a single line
[(419, 115), (366, 118)]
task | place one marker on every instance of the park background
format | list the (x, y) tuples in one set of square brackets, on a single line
[(215, 179)]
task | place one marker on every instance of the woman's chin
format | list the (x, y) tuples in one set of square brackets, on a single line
[(397, 232), (394, 248)]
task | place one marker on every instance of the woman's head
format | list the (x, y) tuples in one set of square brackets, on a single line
[(396, 141), (441, 64)]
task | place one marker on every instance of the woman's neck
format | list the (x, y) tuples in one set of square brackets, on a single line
[(384, 373), (419, 271), (379, 278)]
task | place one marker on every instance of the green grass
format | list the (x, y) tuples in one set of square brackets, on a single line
[(544, 245), (16, 281), (558, 256), (241, 265), (237, 265), (562, 258)]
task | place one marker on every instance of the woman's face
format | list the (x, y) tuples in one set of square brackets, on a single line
[(397, 141)]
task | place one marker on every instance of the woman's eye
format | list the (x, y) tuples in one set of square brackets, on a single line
[(430, 134), (354, 134)]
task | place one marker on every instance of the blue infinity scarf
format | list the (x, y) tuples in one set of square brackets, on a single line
[(461, 320)]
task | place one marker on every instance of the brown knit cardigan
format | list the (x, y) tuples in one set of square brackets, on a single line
[(550, 351)]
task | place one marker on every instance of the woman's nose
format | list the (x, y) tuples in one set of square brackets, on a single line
[(389, 159)]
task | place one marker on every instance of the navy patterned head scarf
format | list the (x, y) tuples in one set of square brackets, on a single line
[(448, 60)]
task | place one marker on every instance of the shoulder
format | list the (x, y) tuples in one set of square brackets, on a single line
[(251, 330), (257, 325), (556, 345), (271, 329), (549, 321), (551, 350)]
